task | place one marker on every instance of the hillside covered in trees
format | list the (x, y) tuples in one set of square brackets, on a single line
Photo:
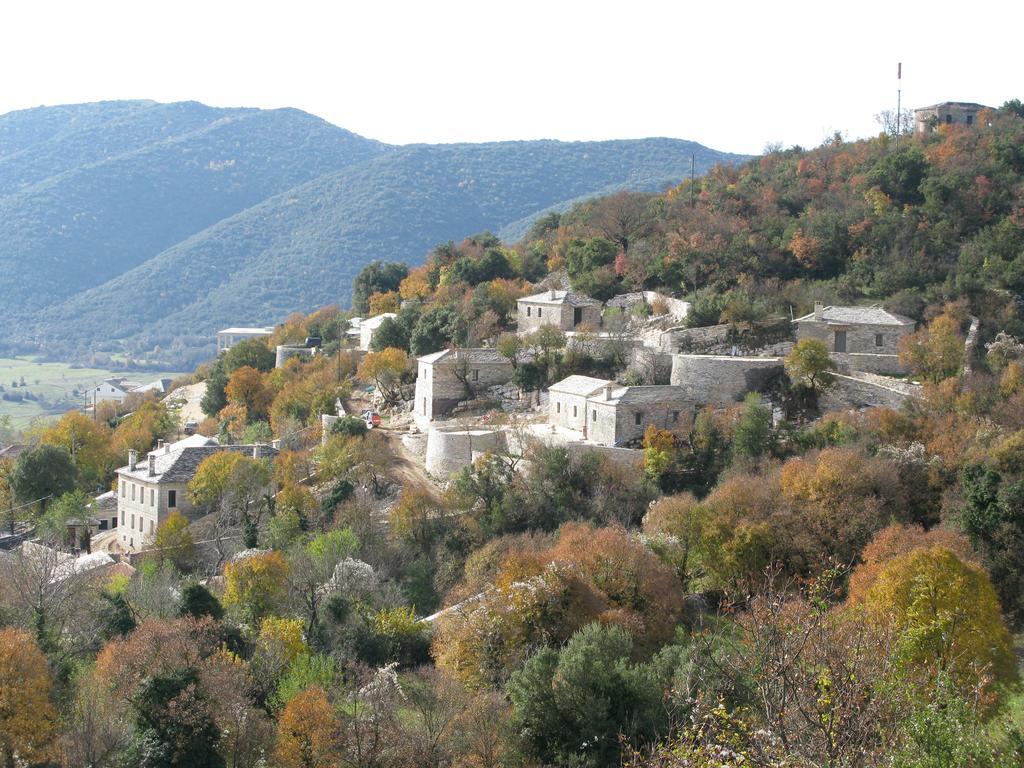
[(187, 218)]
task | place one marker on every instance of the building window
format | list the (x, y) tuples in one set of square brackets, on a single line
[(133, 491), (150, 526), (675, 417), (122, 517), (878, 339), (133, 522), (558, 407), (172, 499), (152, 498), (949, 119), (574, 411), (593, 415), (637, 418), (540, 311), (529, 311), (476, 375), (970, 119), (124, 487)]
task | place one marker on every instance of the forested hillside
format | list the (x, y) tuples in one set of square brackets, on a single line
[(941, 217), (187, 217)]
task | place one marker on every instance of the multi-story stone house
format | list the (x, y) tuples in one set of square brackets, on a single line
[(150, 490), (927, 119), (563, 309), (446, 378)]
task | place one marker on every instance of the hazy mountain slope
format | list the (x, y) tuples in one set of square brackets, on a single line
[(183, 168), (301, 249)]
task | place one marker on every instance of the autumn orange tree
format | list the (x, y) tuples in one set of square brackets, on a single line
[(247, 387), (87, 443), (28, 719), (308, 732)]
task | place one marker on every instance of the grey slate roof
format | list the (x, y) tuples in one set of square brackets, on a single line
[(484, 355), (579, 385), (561, 297), (179, 466), (653, 394), (857, 316)]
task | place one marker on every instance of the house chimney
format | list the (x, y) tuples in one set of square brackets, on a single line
[(256, 451), (607, 391), (159, 444), (133, 458), (818, 309), (553, 297), (152, 464), (167, 447)]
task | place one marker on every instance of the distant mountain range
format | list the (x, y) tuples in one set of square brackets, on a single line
[(133, 226)]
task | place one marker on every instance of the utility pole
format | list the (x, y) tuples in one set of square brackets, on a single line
[(899, 95), (691, 179)]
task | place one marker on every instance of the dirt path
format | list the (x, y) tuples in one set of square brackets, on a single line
[(189, 396)]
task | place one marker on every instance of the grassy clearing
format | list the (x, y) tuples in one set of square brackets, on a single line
[(52, 388)]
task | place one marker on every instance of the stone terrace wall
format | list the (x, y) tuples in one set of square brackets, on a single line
[(865, 390), (721, 378)]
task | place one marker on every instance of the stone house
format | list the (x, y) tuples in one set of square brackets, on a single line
[(567, 400), (149, 491), (927, 119), (859, 338), (446, 378), (227, 338), (617, 415), (562, 309), (369, 327), (608, 414)]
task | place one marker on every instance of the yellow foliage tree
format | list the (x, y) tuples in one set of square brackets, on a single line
[(88, 444), (936, 352), (255, 586), (173, 540), (28, 719), (948, 619), (386, 370), (384, 302), (308, 732), (416, 284)]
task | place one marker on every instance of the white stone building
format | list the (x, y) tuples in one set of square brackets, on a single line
[(567, 400), (150, 490), (227, 338), (369, 327), (562, 309), (111, 390)]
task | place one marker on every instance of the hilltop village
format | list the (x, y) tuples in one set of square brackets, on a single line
[(728, 475)]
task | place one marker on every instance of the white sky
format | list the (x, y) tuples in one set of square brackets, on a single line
[(732, 75)]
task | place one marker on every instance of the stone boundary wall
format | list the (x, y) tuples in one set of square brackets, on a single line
[(449, 449), (868, 362), (623, 457), (865, 390), (722, 378)]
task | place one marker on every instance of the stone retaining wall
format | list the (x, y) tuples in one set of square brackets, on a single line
[(722, 379)]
